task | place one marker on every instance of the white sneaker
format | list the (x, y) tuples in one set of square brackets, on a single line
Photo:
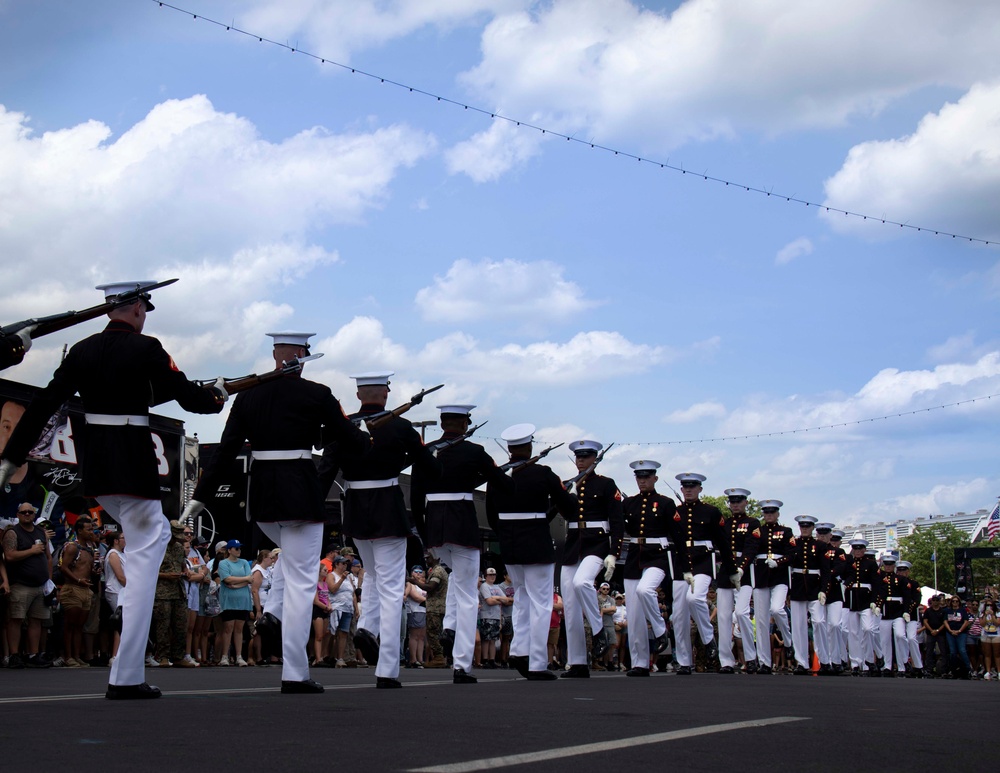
[(988, 675), (151, 662), (224, 661), (191, 661), (240, 661)]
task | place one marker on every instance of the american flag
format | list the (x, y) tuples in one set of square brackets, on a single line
[(993, 525)]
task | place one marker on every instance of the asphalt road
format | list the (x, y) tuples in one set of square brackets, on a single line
[(705, 722)]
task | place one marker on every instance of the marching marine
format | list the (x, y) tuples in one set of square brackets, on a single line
[(733, 598), (810, 578), (770, 582)]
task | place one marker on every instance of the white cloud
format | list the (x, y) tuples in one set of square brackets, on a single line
[(960, 496), (488, 155), (705, 410), (946, 174), (509, 289), (792, 250)]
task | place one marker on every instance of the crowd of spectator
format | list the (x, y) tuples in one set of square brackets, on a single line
[(61, 607)]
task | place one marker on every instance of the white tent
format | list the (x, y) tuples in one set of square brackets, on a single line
[(926, 591)]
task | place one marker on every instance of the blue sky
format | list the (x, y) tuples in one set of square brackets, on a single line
[(547, 282)]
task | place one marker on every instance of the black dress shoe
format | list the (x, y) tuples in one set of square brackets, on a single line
[(387, 683), (683, 671), (461, 677), (131, 692), (637, 672), (540, 676), (727, 670), (751, 667), (365, 641), (712, 650), (306, 686), (764, 670), (520, 663), (659, 644), (447, 639), (801, 671), (576, 672), (599, 644)]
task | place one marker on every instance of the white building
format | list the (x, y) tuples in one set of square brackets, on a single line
[(886, 536)]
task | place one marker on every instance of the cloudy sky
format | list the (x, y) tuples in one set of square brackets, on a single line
[(546, 281)]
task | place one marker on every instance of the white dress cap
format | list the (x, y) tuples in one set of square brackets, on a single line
[(291, 339), (518, 435), (464, 410), (644, 464), (771, 503), (824, 526), (805, 520), (116, 288), (688, 476), (859, 543), (736, 492), (837, 533), (585, 446), (374, 378)]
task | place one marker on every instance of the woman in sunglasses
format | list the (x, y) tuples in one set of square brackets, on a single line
[(957, 624)]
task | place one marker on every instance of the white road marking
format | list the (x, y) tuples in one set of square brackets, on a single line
[(489, 763)]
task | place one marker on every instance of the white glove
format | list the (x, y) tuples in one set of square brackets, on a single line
[(25, 335), (822, 599), (193, 508), (874, 608), (609, 567), (906, 617), (772, 564), (7, 469), (689, 579), (736, 577), (220, 384)]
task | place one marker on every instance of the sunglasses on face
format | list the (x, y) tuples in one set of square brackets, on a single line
[(26, 512)]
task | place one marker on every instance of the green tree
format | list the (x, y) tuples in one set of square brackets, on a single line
[(753, 509), (941, 539)]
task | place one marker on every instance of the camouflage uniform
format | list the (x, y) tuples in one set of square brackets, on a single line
[(436, 597), (170, 607)]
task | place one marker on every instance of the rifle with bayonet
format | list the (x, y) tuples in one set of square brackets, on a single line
[(374, 420), (442, 443), (517, 464), (44, 325), (577, 478), (241, 384)]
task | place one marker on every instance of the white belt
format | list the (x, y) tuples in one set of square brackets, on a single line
[(449, 497), (859, 585), (116, 420), (520, 516), (895, 598), (663, 542), (701, 543), (280, 456), (362, 484), (765, 556), (589, 525), (805, 571)]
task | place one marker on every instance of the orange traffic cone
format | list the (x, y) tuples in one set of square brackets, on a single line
[(815, 663)]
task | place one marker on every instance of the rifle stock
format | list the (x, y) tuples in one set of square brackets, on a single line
[(512, 465), (376, 420)]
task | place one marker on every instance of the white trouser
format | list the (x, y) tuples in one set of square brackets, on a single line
[(845, 634), (876, 640), (860, 625), (725, 605), (532, 612), (147, 532), (641, 601), (579, 599), (916, 659), (384, 561), (831, 628), (293, 586), (698, 604), (772, 600), (462, 601), (801, 612), (680, 621), (894, 632), (746, 624)]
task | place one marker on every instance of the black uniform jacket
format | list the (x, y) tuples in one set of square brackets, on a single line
[(913, 597), (699, 522), (835, 592), (774, 540), (117, 371), (465, 466), (597, 500), (859, 576), (648, 516), (533, 489), (809, 568), (892, 594), (11, 350), (287, 414), (740, 530), (373, 513)]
